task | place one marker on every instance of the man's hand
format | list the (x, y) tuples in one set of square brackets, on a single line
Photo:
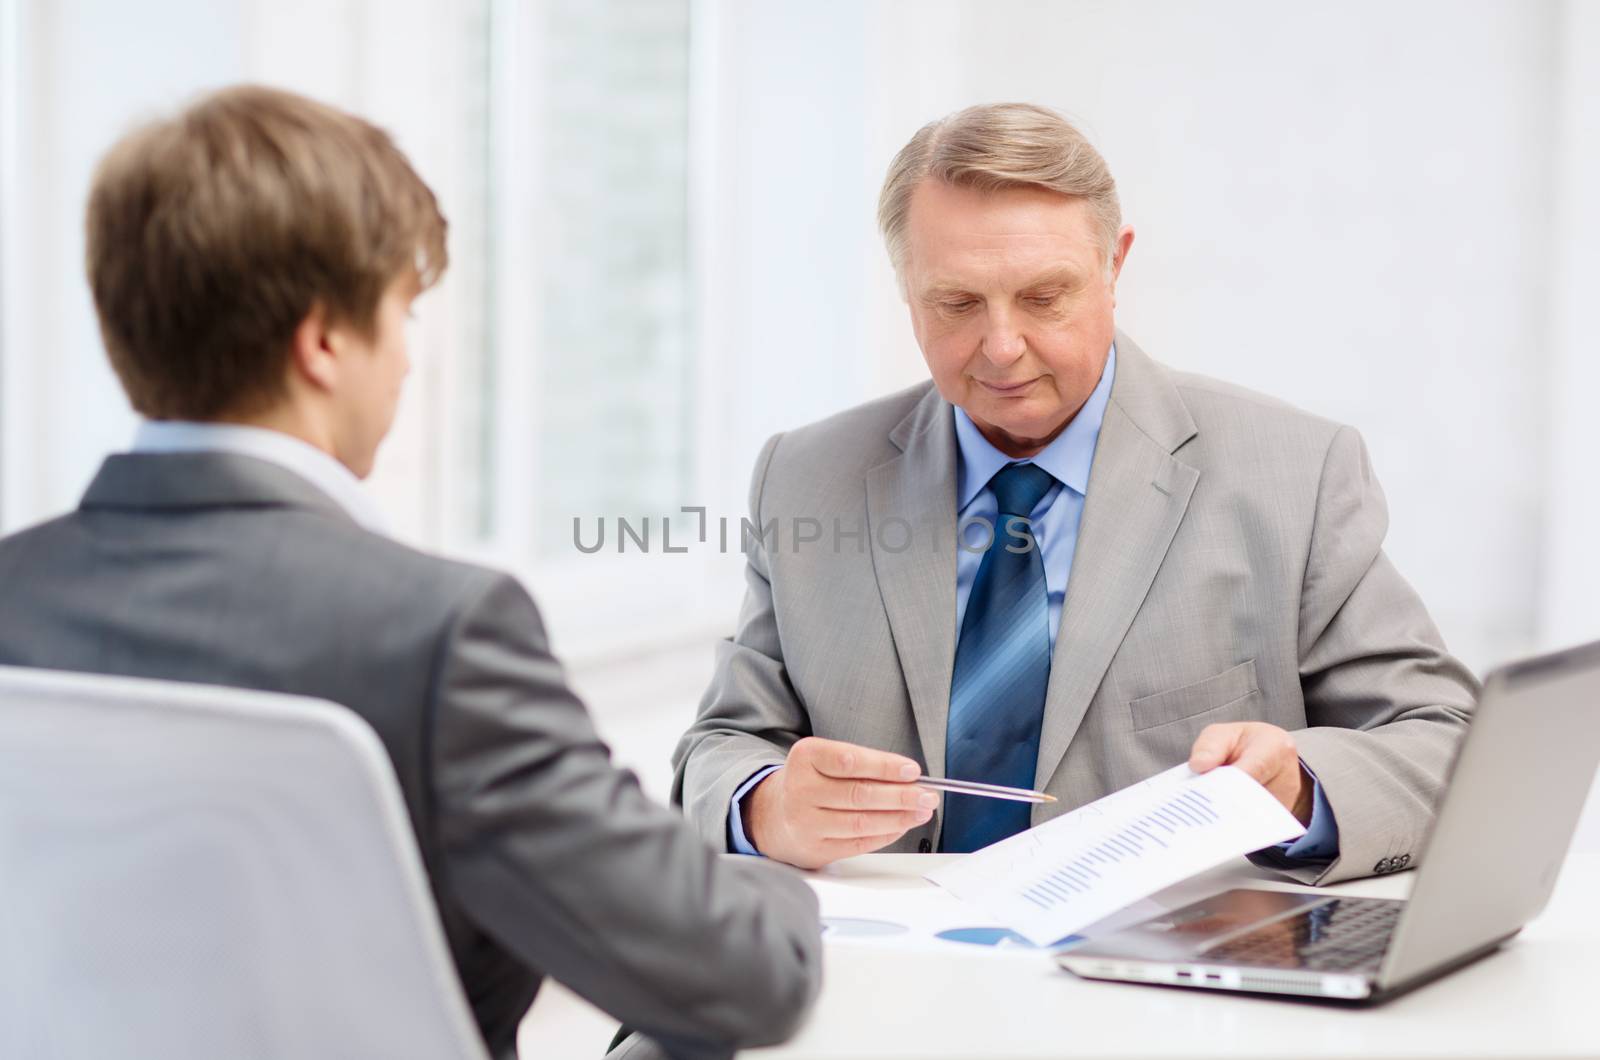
[(832, 800), (1264, 751)]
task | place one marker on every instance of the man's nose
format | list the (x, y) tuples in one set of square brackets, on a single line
[(1003, 343)]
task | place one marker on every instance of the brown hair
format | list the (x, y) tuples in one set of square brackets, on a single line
[(211, 235), (994, 146)]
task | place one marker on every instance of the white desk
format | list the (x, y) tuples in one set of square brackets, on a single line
[(1538, 996)]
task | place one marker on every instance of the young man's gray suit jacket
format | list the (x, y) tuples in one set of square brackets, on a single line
[(544, 858), (1229, 567)]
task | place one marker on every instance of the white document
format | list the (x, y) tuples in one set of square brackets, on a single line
[(909, 913), (1056, 879)]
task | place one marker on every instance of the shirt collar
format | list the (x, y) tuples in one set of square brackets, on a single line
[(301, 458), (1068, 457)]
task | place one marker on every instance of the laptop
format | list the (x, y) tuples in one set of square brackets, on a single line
[(1516, 788)]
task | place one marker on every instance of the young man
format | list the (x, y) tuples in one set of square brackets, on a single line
[(252, 262)]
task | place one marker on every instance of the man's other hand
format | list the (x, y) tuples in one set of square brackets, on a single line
[(832, 800), (1264, 751)]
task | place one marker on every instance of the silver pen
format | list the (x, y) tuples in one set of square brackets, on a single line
[(988, 791)]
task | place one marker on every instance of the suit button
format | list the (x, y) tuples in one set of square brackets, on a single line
[(925, 846), (1402, 861), (1383, 865)]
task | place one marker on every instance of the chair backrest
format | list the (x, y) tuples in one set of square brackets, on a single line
[(189, 871)]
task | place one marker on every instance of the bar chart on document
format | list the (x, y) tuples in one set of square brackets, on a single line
[(1064, 875)]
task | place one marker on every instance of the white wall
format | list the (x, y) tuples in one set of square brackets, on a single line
[(60, 407), (792, 231), (1570, 582), (1344, 207), (1381, 212), (1571, 570)]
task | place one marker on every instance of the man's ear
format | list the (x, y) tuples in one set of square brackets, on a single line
[(313, 359), (1119, 257)]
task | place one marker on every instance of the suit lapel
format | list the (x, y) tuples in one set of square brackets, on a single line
[(1138, 494), (911, 502)]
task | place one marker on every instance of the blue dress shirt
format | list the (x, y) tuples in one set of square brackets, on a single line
[(1055, 520)]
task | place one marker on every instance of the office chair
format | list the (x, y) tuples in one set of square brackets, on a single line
[(189, 871)]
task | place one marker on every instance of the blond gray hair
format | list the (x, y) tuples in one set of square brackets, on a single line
[(994, 146)]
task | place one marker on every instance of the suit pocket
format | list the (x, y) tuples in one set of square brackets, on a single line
[(1214, 693)]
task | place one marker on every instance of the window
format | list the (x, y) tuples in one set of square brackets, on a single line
[(611, 389), (585, 404)]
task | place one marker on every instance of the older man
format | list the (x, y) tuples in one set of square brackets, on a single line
[(1060, 564)]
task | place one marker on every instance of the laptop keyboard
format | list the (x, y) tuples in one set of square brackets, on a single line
[(1344, 934)]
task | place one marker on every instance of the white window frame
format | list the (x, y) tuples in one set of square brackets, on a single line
[(604, 606), (16, 481)]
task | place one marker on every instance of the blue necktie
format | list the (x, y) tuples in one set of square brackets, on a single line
[(1001, 671)]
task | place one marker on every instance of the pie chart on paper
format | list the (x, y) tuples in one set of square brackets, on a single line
[(851, 927), (999, 937)]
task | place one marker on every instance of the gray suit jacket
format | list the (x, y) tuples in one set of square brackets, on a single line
[(544, 858), (1229, 567)]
